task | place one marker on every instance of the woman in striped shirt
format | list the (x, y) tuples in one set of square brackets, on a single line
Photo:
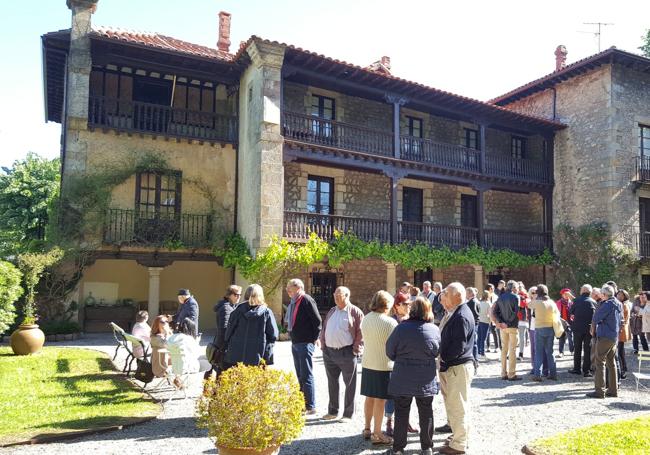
[(376, 327)]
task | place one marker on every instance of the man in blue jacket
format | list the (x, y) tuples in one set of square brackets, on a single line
[(456, 364), (605, 325), (189, 309)]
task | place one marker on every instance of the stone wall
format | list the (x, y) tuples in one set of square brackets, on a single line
[(514, 211)]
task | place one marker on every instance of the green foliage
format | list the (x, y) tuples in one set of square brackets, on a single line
[(281, 259), (26, 191), (645, 46), (10, 291), (60, 327), (32, 265), (252, 407), (586, 254), (62, 390)]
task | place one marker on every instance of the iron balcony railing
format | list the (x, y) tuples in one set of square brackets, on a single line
[(175, 231), (642, 169), (125, 115), (299, 225)]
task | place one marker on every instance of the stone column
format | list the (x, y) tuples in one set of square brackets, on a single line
[(478, 279), (391, 278), (154, 291), (77, 90)]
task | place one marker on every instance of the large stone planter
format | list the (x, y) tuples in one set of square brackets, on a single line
[(27, 339), (241, 451)]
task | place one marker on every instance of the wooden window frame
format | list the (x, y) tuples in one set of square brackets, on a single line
[(410, 120), (477, 138), (321, 106), (644, 142), (522, 147), (158, 189), (320, 179)]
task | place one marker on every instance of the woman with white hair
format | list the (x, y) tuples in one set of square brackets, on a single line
[(252, 331)]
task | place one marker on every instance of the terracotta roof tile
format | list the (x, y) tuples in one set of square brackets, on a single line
[(153, 39)]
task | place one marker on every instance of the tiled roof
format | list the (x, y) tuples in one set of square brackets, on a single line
[(153, 39), (611, 55)]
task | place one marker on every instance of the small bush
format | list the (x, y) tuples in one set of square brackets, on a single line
[(252, 407), (60, 327), (10, 291)]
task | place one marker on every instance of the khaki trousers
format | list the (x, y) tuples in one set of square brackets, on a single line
[(605, 352), (509, 340), (455, 387)]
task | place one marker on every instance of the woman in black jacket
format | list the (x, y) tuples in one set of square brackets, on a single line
[(252, 331), (413, 346)]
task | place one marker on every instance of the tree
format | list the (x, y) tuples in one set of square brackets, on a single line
[(645, 47), (26, 190)]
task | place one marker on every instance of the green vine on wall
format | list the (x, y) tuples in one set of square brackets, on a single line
[(281, 258)]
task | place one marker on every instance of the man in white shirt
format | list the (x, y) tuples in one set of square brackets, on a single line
[(342, 344)]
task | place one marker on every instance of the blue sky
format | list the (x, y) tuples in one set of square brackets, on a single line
[(474, 48)]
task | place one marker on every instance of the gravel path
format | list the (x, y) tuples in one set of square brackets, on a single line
[(505, 415)]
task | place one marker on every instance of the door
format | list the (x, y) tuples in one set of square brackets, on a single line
[(468, 218), (323, 111), (420, 276), (411, 214), (323, 285), (320, 201), (158, 204), (149, 117), (644, 227)]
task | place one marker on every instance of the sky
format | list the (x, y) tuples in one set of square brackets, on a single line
[(474, 48)]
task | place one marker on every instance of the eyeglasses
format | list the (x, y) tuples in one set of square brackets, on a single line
[(237, 295)]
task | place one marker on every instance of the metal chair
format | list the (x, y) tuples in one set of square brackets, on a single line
[(118, 334), (642, 356)]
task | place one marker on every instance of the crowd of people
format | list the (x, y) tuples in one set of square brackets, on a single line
[(416, 344)]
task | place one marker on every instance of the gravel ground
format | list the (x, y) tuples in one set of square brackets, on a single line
[(505, 416)]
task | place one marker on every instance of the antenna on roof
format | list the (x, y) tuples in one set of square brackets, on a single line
[(599, 32)]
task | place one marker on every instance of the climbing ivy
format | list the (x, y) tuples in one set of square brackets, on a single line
[(281, 258)]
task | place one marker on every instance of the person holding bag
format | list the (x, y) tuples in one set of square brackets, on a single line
[(252, 331), (547, 322)]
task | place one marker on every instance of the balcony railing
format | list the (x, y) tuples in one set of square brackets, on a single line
[(630, 236), (642, 169), (149, 118), (132, 228), (331, 133), (298, 226)]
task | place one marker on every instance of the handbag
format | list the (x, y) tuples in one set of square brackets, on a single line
[(144, 371), (558, 327), (214, 354)]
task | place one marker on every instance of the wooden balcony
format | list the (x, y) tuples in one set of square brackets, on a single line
[(131, 228), (339, 135), (133, 116), (299, 225)]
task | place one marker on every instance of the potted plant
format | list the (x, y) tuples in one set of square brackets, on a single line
[(28, 338), (252, 410)]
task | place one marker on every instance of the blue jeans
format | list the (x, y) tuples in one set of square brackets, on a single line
[(483, 328), (544, 337), (475, 348), (302, 360), (389, 408)]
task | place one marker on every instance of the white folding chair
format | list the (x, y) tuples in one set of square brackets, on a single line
[(642, 356), (136, 342), (167, 377), (118, 334)]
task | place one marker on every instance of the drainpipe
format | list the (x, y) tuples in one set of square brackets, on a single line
[(554, 103)]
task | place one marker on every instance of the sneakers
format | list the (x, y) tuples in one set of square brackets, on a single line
[(520, 356), (329, 417), (588, 374)]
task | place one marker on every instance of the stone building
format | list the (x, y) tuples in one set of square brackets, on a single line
[(602, 160), (276, 140)]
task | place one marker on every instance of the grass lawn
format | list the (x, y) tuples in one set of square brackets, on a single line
[(63, 390), (621, 437)]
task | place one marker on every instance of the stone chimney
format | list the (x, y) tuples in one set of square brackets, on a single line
[(560, 57), (223, 44), (385, 61), (380, 66)]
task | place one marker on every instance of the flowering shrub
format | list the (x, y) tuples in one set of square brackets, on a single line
[(252, 407)]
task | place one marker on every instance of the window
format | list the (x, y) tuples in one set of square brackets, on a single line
[(411, 213), (518, 147), (471, 139), (153, 91), (323, 285), (644, 226), (411, 145), (324, 109), (644, 140), (468, 210), (158, 194), (320, 195)]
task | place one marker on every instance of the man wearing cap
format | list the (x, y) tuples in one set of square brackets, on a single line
[(563, 306), (189, 309)]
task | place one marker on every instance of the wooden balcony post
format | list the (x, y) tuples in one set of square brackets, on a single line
[(550, 157), (480, 208), (397, 101), (394, 176), (482, 145), (548, 211)]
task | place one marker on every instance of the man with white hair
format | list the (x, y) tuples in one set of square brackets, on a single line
[(427, 291), (303, 325), (505, 312), (342, 344), (456, 365), (605, 325), (581, 314)]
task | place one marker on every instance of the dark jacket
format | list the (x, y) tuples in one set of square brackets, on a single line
[(250, 336), (473, 306), (190, 310), (438, 309), (413, 346), (223, 309), (308, 322), (581, 313), (506, 308), (457, 338), (607, 319)]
